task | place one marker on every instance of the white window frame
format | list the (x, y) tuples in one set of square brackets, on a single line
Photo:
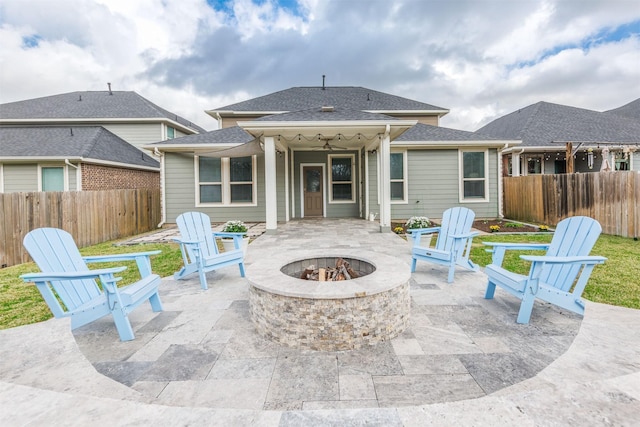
[(226, 183), (65, 177), (405, 179), (525, 164), (167, 132), (354, 178), (1, 178), (461, 179)]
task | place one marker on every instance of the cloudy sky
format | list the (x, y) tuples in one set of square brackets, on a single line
[(479, 58)]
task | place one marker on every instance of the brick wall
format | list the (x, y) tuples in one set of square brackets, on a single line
[(95, 177)]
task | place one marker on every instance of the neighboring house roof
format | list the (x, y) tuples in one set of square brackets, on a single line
[(422, 132), (89, 143), (630, 110), (317, 114), (90, 105), (355, 98), (546, 124)]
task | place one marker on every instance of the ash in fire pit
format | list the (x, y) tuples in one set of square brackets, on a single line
[(342, 271)]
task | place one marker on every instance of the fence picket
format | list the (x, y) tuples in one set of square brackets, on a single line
[(91, 217), (612, 198)]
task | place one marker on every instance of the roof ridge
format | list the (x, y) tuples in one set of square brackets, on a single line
[(93, 141), (529, 120)]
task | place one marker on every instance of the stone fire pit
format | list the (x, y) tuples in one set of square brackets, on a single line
[(329, 316)]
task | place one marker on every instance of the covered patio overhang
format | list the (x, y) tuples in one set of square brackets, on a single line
[(285, 136)]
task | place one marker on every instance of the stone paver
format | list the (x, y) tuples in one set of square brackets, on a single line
[(462, 360)]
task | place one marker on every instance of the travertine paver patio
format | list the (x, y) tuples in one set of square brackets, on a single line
[(462, 359)]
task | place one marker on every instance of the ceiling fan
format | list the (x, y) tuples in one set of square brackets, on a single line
[(328, 146)]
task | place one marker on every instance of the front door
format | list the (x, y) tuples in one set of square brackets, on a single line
[(312, 190)]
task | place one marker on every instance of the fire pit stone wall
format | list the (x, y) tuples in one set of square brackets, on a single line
[(329, 316)]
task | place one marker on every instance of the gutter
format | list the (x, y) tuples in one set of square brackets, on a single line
[(163, 203)]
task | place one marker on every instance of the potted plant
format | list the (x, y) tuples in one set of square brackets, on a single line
[(236, 227), (414, 223)]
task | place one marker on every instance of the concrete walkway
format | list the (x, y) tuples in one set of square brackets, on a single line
[(463, 360)]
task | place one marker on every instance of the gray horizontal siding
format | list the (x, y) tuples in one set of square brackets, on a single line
[(137, 134), (20, 178), (181, 192), (434, 186)]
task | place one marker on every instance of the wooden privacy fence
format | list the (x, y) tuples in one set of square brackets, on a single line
[(91, 217), (612, 198)]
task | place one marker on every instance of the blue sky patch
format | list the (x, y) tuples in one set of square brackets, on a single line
[(604, 36), (226, 6), (31, 41)]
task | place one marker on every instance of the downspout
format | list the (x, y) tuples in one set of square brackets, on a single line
[(163, 204), (500, 178)]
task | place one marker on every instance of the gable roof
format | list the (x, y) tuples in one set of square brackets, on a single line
[(317, 114), (422, 132), (230, 135), (90, 105), (630, 110), (351, 97), (82, 142), (546, 124)]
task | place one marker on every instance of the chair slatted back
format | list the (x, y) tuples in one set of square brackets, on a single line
[(55, 251), (574, 236), (197, 226), (455, 221)]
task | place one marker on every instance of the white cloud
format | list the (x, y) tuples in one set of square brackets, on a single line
[(481, 59)]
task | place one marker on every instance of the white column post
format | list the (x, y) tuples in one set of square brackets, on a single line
[(515, 164), (385, 182), (270, 185)]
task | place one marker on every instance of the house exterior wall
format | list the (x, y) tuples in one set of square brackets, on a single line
[(97, 177), (180, 192), (433, 185), (333, 210), (24, 177), (136, 134)]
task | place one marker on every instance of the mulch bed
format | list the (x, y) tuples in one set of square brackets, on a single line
[(485, 225)]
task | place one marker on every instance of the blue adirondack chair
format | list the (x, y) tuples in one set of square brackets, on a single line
[(70, 288), (200, 250), (558, 277), (453, 246)]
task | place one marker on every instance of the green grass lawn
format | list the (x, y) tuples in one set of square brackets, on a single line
[(615, 282)]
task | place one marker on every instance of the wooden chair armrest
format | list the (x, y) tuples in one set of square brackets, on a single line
[(465, 236), (71, 275), (589, 259), (423, 230), (142, 259), (498, 249)]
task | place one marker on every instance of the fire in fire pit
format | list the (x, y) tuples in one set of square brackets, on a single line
[(342, 271)]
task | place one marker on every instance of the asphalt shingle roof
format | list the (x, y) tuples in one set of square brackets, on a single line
[(90, 105), (316, 114), (233, 134), (89, 142), (422, 132), (630, 110), (543, 123), (351, 97)]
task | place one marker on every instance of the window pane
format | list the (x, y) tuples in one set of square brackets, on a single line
[(52, 179), (241, 169), (210, 169), (342, 192), (241, 193), (341, 169), (397, 191), (474, 189), (171, 132), (397, 166), (534, 166), (473, 164), (312, 179), (210, 194)]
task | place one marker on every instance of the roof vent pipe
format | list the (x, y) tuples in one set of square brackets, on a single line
[(109, 84), (323, 76)]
